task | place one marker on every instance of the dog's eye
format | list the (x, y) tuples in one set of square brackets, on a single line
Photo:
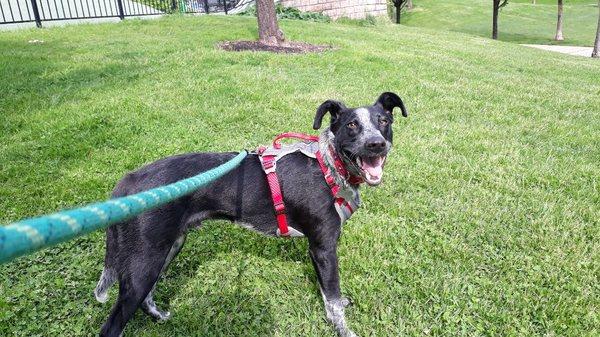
[(383, 122), (352, 125)]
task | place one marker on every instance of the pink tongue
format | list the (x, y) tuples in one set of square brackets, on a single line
[(373, 165)]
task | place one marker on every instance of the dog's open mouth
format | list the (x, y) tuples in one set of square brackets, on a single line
[(371, 168)]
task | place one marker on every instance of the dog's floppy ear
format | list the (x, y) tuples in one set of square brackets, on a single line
[(333, 107), (389, 100)]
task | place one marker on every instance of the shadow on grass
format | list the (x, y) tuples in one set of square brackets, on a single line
[(216, 313), (219, 310), (46, 77), (59, 104)]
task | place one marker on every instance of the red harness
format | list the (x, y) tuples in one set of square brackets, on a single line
[(268, 163)]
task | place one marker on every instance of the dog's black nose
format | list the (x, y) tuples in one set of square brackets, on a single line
[(375, 144)]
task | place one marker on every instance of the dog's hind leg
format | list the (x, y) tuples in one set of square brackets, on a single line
[(148, 306), (136, 280)]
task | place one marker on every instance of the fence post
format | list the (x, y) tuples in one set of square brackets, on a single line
[(206, 6), (36, 14), (121, 12)]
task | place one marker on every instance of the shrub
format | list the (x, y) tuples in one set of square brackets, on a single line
[(290, 13)]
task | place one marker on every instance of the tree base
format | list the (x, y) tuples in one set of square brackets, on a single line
[(285, 48)]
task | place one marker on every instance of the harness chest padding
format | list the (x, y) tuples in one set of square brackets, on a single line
[(346, 200)]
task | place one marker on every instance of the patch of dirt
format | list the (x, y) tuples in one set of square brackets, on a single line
[(286, 48)]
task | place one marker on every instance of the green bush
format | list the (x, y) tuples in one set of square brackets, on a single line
[(291, 13), (369, 20)]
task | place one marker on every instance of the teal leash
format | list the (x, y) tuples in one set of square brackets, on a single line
[(33, 234)]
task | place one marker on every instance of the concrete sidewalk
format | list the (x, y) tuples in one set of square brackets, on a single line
[(571, 50)]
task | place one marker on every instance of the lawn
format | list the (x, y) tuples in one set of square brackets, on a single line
[(520, 21), (486, 222)]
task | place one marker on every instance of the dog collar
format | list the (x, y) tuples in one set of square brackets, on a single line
[(339, 166)]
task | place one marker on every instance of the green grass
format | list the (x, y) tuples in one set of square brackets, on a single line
[(519, 21), (553, 2), (486, 223)]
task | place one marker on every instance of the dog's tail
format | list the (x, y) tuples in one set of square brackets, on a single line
[(109, 273), (106, 280)]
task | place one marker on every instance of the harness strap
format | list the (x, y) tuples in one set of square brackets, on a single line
[(331, 182), (268, 163), (297, 135)]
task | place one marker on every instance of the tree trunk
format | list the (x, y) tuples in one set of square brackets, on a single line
[(398, 7), (496, 4), (596, 52), (409, 4), (559, 22), (268, 29), (533, 2)]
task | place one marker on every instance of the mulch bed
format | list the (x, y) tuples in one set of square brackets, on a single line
[(286, 48)]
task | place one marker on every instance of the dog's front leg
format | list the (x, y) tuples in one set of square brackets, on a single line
[(325, 261)]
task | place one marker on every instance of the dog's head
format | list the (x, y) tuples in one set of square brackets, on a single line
[(362, 136)]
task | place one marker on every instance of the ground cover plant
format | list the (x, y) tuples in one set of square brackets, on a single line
[(290, 13), (486, 223), (520, 21)]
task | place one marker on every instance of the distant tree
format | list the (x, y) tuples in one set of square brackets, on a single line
[(533, 2), (268, 29), (596, 52), (497, 5), (559, 22), (399, 4)]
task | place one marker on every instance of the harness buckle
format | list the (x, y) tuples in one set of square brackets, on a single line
[(279, 208), (268, 163)]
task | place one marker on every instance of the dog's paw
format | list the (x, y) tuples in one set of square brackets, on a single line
[(347, 333), (346, 302), (150, 308), (163, 317)]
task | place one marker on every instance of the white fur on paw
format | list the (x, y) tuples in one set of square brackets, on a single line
[(346, 302), (165, 317), (350, 333)]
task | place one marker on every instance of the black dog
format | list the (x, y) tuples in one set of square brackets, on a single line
[(137, 251)]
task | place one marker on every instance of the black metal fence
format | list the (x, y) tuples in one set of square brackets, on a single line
[(20, 11)]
